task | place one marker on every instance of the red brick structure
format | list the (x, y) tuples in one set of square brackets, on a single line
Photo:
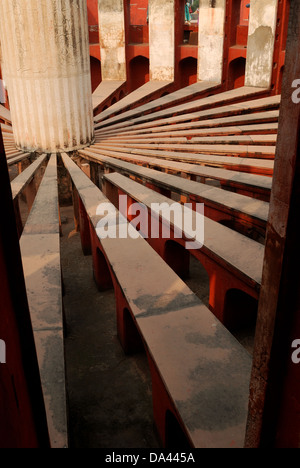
[(186, 38)]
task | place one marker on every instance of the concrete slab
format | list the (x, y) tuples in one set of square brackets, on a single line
[(246, 164), (148, 89), (109, 394), (256, 184), (40, 249), (268, 116), (238, 205), (17, 159), (21, 181), (5, 115), (246, 151), (242, 255), (6, 128), (213, 108), (105, 90), (221, 140), (255, 129), (163, 307), (145, 91)]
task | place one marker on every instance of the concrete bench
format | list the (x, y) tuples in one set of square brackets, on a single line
[(192, 164), (264, 140), (6, 129), (200, 373), (105, 91), (244, 119), (5, 117), (172, 99), (231, 135), (187, 135), (250, 165), (256, 186), (139, 115), (213, 111), (8, 137), (25, 183), (13, 154), (246, 214), (40, 249), (10, 147), (241, 151), (232, 261), (18, 159), (136, 98)]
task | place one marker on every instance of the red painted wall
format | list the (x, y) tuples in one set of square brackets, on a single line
[(244, 15), (280, 44), (138, 12), (93, 21), (22, 413)]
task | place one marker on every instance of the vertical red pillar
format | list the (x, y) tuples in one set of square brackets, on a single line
[(244, 12), (22, 414), (274, 412)]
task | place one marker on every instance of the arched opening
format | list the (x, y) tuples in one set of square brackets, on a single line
[(240, 314), (113, 101), (96, 76), (236, 73), (178, 258), (101, 271), (134, 342), (188, 71), (121, 95), (175, 436), (199, 281), (138, 72)]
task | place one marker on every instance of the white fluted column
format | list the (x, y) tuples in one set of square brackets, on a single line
[(46, 65)]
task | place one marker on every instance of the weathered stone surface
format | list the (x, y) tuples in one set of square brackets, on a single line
[(261, 40), (162, 39), (211, 40), (112, 40), (47, 75), (40, 248)]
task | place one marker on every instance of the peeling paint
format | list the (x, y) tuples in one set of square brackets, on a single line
[(211, 40), (112, 40), (162, 40), (261, 40)]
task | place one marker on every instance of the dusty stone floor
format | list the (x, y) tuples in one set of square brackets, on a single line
[(110, 404)]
